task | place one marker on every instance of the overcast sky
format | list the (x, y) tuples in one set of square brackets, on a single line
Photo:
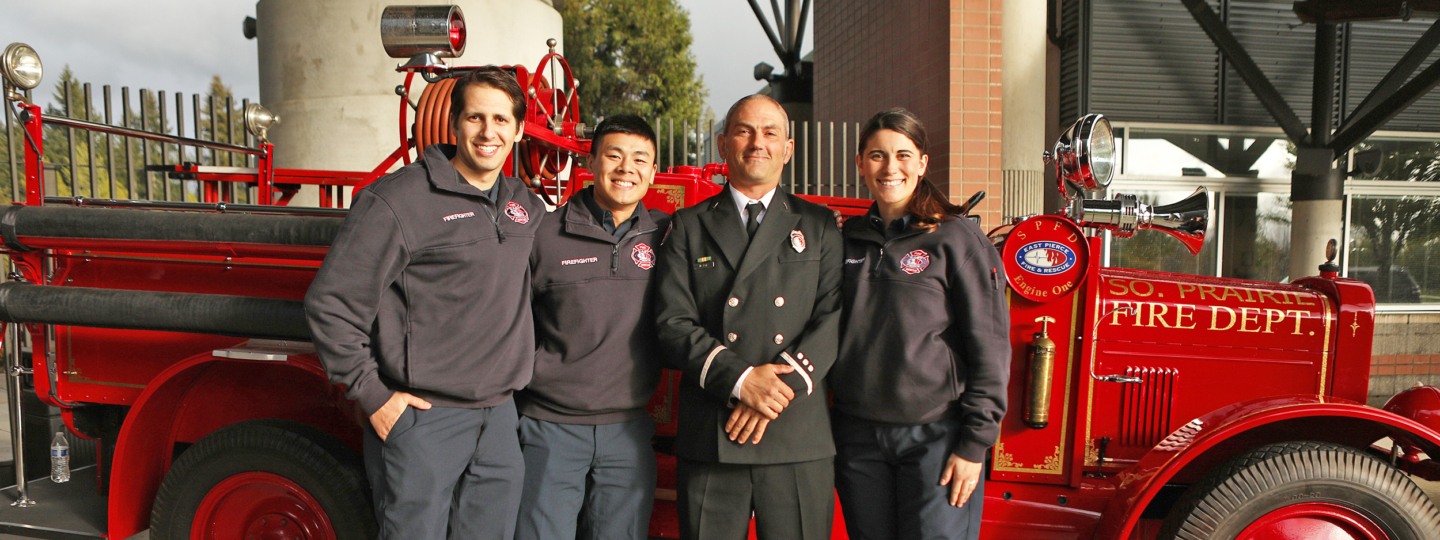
[(177, 45)]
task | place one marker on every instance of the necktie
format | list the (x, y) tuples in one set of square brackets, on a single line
[(753, 210)]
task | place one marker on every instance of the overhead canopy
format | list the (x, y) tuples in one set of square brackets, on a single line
[(1338, 11)]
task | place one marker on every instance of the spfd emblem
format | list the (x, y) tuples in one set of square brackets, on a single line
[(516, 213), (797, 241), (1045, 257), (643, 256), (915, 261)]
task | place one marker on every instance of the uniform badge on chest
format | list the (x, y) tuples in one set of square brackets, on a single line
[(915, 261), (516, 213), (797, 241), (643, 256)]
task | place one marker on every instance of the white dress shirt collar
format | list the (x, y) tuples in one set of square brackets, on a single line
[(741, 201)]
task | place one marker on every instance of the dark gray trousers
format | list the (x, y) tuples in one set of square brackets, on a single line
[(447, 473), (888, 479), (586, 482), (790, 501)]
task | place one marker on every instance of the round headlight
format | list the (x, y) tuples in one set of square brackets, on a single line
[(1101, 158), (1085, 154), (22, 67), (258, 120)]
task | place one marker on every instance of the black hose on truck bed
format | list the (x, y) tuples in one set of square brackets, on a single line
[(240, 316), (150, 225)]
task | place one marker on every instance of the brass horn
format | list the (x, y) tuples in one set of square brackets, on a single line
[(1123, 215)]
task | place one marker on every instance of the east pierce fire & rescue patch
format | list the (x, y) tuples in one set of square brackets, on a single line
[(797, 241), (915, 261), (643, 256), (1045, 257), (516, 213)]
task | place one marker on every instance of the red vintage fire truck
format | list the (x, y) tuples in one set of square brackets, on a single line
[(1143, 404)]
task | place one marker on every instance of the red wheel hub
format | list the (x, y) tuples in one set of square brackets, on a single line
[(260, 506), (1313, 521)]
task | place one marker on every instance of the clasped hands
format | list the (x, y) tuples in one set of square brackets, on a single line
[(763, 396)]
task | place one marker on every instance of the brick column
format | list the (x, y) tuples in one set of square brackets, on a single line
[(975, 105)]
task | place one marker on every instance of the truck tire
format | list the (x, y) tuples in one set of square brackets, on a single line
[(264, 479), (1303, 489)]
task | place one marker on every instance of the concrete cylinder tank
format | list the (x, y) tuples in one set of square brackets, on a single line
[(324, 72)]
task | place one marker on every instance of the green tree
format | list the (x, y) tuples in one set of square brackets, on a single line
[(632, 56)]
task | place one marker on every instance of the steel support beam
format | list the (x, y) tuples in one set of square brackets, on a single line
[(800, 32), (1322, 94), (1247, 69), (1392, 81), (1395, 104), (769, 33)]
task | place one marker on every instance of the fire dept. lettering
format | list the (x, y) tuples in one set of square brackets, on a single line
[(1210, 308)]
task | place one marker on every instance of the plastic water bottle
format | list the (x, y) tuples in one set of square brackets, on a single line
[(60, 459)]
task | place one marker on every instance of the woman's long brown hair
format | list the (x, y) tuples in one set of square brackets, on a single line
[(927, 204)]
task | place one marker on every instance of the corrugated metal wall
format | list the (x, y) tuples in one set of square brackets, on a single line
[(1374, 49), (1149, 61)]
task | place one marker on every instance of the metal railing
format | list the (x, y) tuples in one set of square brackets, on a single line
[(95, 153), (823, 163), (91, 153)]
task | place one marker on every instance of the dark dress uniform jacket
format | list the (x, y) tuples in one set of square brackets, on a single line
[(727, 303)]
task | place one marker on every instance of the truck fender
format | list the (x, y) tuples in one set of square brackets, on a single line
[(201, 394), (1210, 440)]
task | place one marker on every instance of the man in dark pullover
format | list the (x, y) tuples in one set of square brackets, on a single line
[(422, 311), (584, 430)]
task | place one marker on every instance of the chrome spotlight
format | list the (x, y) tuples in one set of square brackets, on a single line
[(258, 121), (21, 67)]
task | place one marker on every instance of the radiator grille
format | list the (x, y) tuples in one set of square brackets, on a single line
[(1145, 408)]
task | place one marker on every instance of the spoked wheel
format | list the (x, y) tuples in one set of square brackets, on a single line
[(1304, 490), (264, 480)]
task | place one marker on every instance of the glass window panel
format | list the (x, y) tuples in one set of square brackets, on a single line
[(1155, 250), (1401, 160), (1257, 237), (1395, 247), (1161, 153)]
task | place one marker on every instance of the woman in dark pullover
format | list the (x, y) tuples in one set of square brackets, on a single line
[(919, 386)]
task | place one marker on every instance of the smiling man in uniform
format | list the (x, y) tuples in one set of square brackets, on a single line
[(422, 311), (749, 310), (584, 431)]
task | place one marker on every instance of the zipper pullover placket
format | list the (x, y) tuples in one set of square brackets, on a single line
[(875, 268), (494, 220)]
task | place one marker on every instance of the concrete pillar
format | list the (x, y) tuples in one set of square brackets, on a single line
[(1317, 209), (1022, 136), (324, 72), (1312, 225)]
